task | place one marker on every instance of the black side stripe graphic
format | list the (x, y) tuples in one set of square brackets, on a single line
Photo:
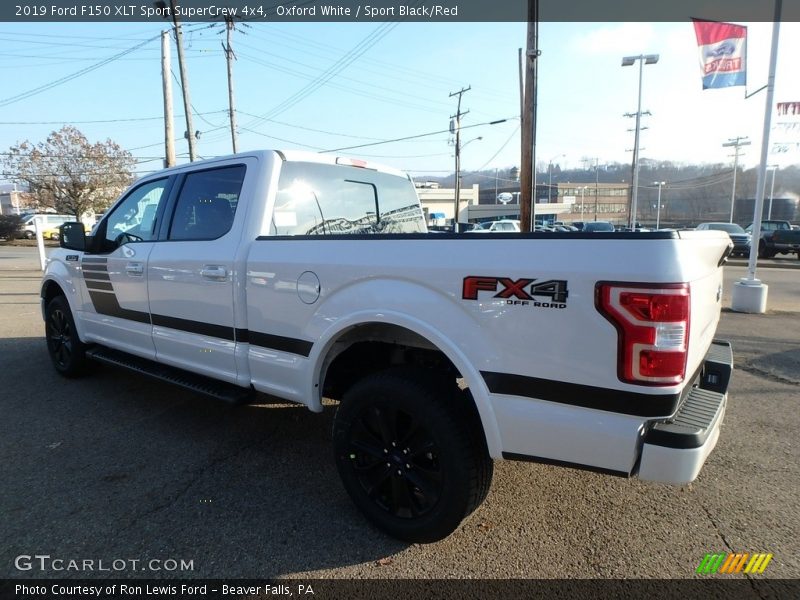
[(222, 332), (99, 285), (105, 302), (587, 396), (280, 343)]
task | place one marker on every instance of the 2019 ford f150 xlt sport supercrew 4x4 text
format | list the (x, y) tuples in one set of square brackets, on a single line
[(304, 276)]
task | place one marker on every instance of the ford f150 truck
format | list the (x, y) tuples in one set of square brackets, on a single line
[(304, 276), (777, 237)]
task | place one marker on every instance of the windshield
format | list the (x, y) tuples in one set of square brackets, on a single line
[(729, 227)]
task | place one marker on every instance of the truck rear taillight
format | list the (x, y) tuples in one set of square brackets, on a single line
[(652, 323)]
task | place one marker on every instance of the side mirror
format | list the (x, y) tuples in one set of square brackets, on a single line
[(73, 236)]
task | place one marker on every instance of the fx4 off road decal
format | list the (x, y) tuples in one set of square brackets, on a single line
[(518, 292)]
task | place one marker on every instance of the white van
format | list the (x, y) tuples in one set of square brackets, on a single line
[(46, 221)]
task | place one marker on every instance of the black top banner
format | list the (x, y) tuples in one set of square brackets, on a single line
[(443, 11)]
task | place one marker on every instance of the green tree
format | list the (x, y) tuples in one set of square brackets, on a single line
[(68, 173)]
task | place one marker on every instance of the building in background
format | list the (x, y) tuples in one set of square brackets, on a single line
[(11, 202), (596, 201)]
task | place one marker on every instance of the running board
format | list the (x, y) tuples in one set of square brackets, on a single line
[(227, 392)]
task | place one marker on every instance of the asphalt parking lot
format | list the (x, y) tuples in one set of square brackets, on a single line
[(117, 466)]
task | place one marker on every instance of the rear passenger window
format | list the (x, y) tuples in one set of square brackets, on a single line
[(207, 204), (318, 199)]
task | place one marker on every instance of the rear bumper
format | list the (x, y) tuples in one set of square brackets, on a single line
[(674, 450)]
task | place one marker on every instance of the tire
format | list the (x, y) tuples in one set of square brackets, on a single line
[(66, 351), (29, 235), (762, 251), (409, 454)]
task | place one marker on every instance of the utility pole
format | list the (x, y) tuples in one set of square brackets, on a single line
[(229, 57), (527, 179), (736, 143), (187, 103), (456, 128), (166, 80), (596, 185)]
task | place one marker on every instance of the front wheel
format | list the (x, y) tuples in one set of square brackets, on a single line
[(66, 351), (410, 454)]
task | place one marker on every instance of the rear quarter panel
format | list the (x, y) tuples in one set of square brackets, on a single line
[(420, 281)]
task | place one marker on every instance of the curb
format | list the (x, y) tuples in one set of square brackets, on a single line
[(789, 264)]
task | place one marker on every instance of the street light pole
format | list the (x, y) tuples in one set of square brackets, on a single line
[(771, 191), (658, 205), (644, 59)]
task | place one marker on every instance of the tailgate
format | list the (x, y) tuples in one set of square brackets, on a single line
[(702, 254)]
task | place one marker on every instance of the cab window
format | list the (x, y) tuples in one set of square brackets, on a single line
[(207, 204), (134, 219)]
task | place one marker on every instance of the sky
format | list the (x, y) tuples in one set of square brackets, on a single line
[(325, 86)]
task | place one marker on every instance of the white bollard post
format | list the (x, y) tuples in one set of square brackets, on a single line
[(40, 243)]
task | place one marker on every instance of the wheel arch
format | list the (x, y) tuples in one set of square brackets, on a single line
[(53, 286), (386, 333)]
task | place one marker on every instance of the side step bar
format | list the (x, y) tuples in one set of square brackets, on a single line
[(227, 392)]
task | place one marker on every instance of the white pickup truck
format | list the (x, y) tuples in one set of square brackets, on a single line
[(304, 276)]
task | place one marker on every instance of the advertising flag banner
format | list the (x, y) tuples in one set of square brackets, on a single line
[(723, 53), (786, 131)]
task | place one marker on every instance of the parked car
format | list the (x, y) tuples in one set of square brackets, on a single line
[(479, 228), (47, 222), (777, 237), (505, 226), (598, 226), (739, 237)]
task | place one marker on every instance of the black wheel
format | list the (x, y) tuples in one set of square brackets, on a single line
[(762, 250), (409, 454), (66, 351)]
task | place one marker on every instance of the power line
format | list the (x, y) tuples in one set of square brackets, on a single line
[(412, 137), (344, 88), (131, 119), (280, 139), (302, 44), (52, 84), (347, 135), (513, 133), (352, 55), (370, 84)]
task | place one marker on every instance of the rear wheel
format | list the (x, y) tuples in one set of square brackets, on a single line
[(66, 351), (409, 455)]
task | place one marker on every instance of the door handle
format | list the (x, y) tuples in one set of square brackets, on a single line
[(214, 272), (134, 269)]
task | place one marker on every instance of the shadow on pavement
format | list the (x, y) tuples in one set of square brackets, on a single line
[(116, 465)]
